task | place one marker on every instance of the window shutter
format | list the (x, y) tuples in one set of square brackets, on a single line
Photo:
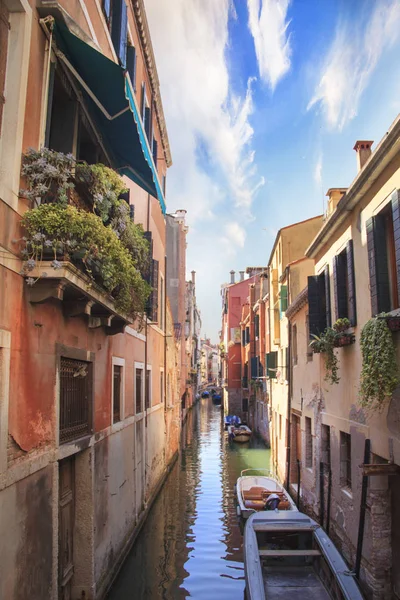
[(243, 337), (260, 367), (119, 29), (316, 312), (107, 9), (256, 326), (155, 149), (396, 235), (351, 284), (283, 300), (148, 270), (254, 365), (339, 281), (131, 65), (147, 122), (154, 293), (271, 364), (327, 297), (378, 265)]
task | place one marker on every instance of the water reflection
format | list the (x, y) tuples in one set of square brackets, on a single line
[(191, 544)]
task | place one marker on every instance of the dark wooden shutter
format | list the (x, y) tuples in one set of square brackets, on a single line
[(148, 268), (271, 364), (339, 281), (147, 122), (256, 326), (155, 150), (154, 293), (143, 102), (351, 284), (119, 29), (316, 305), (378, 265), (131, 64), (328, 312), (254, 365), (396, 235), (243, 337)]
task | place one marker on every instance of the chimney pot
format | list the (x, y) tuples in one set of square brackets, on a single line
[(241, 273), (364, 151), (232, 276), (193, 277)]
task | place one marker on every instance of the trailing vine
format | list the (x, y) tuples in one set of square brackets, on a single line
[(380, 372), (326, 344)]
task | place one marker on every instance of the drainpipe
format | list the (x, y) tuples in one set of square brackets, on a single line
[(145, 371), (290, 390)]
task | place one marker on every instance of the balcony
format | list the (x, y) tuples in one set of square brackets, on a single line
[(79, 295)]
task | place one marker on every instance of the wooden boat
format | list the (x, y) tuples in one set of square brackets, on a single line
[(255, 491), (288, 555), (240, 434)]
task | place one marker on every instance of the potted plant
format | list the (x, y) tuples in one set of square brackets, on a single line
[(392, 321), (343, 337), (380, 372), (325, 344)]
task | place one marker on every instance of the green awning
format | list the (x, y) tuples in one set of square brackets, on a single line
[(108, 97)]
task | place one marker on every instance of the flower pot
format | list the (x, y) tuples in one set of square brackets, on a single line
[(344, 339), (393, 323)]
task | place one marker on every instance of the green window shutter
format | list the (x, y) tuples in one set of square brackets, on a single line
[(378, 265), (339, 279), (271, 362), (396, 232), (327, 297), (316, 304), (254, 365), (351, 284), (283, 300)]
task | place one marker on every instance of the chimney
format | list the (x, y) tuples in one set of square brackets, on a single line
[(180, 216), (363, 149), (232, 276), (334, 195), (193, 277), (241, 273)]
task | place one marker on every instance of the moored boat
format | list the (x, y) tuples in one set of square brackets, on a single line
[(241, 433), (231, 420), (257, 490), (288, 555)]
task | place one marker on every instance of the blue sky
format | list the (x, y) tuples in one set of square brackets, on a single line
[(264, 100)]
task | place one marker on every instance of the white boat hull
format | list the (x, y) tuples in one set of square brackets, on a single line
[(252, 492)]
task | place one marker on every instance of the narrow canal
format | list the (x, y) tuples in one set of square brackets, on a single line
[(191, 543)]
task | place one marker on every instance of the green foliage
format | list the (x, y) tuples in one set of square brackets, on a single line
[(256, 384), (341, 325), (81, 237), (380, 373), (105, 186), (326, 344), (48, 174)]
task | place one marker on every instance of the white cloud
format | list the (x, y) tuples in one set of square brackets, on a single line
[(269, 28), (318, 171), (203, 115), (235, 237), (351, 61)]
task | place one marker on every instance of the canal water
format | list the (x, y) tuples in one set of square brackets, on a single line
[(191, 543)]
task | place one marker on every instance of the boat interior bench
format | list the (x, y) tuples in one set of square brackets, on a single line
[(256, 496)]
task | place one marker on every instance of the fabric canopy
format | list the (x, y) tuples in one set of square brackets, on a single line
[(108, 97)]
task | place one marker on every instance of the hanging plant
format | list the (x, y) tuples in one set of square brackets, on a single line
[(380, 373), (106, 188), (333, 337), (49, 176)]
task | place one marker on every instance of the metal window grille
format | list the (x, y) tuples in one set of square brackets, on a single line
[(309, 448), (139, 399), (75, 399), (117, 388)]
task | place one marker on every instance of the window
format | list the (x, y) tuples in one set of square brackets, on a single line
[(247, 335), (107, 10), (383, 241), (245, 383), (117, 390), (344, 284), (161, 386), (155, 152), (162, 307), (243, 337), (139, 390), (283, 300), (345, 460), (75, 399), (147, 389), (164, 184), (245, 404), (309, 354), (309, 444), (294, 344), (326, 446), (319, 303)]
